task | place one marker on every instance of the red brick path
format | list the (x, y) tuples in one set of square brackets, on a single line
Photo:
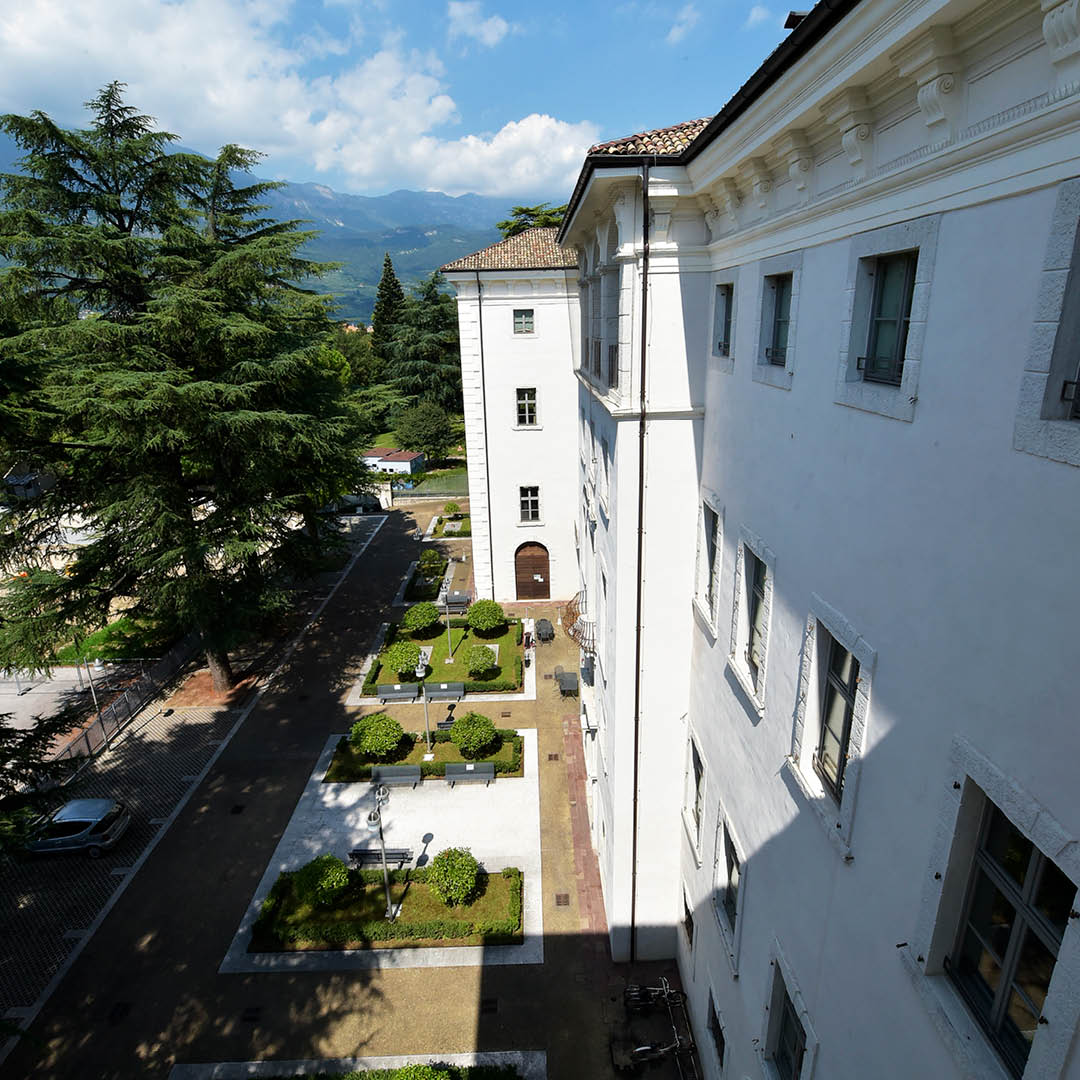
[(586, 868)]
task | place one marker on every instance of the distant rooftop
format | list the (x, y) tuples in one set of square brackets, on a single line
[(666, 140), (387, 454), (533, 249)]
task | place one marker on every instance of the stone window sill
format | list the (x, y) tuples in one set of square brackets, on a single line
[(747, 684)]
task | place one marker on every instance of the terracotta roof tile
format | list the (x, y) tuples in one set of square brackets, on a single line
[(669, 140), (533, 249)]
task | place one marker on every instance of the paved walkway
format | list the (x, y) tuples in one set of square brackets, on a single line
[(146, 993)]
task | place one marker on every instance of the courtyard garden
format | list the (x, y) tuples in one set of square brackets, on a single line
[(451, 901), (435, 1071), (427, 577), (484, 650), (452, 523)]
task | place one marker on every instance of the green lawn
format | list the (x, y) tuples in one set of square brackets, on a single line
[(349, 766), (461, 638), (122, 639), (466, 527), (443, 482)]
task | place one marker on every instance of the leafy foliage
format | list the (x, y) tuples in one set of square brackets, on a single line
[(425, 428), (531, 217), (485, 616), (479, 659), (322, 880), (452, 876), (389, 307), (420, 616), (26, 759), (402, 657), (181, 390), (424, 361), (473, 734), (451, 509), (431, 563), (377, 736)]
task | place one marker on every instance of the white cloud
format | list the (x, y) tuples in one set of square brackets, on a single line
[(467, 20), (684, 22), (379, 121), (759, 14)]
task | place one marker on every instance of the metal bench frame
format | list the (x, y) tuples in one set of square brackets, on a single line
[(457, 773)]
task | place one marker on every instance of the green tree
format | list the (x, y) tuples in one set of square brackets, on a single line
[(424, 361), (452, 875), (480, 659), (402, 657), (183, 394), (388, 309), (486, 617), (366, 368), (377, 735), (420, 617), (473, 734), (427, 428), (531, 217), (321, 881)]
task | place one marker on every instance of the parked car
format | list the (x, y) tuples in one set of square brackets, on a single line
[(90, 825)]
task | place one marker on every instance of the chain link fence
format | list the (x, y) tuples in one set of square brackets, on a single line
[(113, 717)]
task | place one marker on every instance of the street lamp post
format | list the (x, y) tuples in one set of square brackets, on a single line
[(449, 643), (427, 726), (374, 823)]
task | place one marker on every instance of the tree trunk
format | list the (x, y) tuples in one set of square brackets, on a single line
[(221, 670)]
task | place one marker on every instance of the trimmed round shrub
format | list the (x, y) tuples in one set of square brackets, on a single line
[(451, 509), (485, 616), (431, 563), (472, 734), (479, 659), (321, 881), (376, 736), (452, 875), (420, 616), (402, 657)]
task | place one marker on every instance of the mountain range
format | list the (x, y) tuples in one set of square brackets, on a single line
[(421, 230)]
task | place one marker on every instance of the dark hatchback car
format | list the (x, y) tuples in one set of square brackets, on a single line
[(90, 825)]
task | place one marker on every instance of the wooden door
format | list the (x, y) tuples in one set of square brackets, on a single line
[(531, 572)]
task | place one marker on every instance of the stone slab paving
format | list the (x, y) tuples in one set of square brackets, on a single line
[(47, 902), (531, 1064), (499, 822)]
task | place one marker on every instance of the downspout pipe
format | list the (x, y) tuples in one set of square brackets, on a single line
[(487, 454), (642, 419)]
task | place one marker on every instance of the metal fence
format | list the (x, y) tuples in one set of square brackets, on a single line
[(111, 719)]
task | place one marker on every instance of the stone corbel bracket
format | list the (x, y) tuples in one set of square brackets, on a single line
[(850, 112), (1061, 29), (930, 61), (758, 179), (660, 225), (726, 196), (713, 213), (793, 149)]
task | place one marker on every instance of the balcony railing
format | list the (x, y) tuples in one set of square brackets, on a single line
[(580, 629)]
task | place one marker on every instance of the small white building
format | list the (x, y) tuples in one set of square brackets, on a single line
[(388, 460), (517, 312)]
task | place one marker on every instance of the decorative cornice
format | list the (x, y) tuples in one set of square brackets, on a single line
[(793, 148), (850, 112), (1061, 29), (930, 61)]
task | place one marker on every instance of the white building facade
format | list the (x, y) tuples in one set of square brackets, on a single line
[(517, 314), (829, 497)]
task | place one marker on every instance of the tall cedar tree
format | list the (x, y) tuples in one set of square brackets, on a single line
[(531, 217), (183, 395), (389, 305), (424, 358)]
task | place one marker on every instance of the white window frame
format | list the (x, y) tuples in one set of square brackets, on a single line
[(708, 612), (779, 265), (1040, 428), (770, 1027), (710, 1011), (897, 402), (731, 935), (836, 820), (740, 627), (535, 425), (724, 363), (539, 519), (528, 316), (970, 780), (694, 829)]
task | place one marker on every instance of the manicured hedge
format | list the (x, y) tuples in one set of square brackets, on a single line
[(438, 768), (441, 1070), (339, 933)]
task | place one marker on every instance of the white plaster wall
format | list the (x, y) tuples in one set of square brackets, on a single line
[(511, 456)]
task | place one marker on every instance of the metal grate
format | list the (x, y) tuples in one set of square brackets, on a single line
[(562, 899), (553, 757), (549, 676), (505, 714)]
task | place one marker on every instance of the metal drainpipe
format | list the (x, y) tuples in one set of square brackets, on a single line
[(487, 456), (640, 547)]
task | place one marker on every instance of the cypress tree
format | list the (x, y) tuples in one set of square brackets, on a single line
[(389, 305), (182, 397)]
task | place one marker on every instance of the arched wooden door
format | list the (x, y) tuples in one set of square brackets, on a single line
[(531, 572)]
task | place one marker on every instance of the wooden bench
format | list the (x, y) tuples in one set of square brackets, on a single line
[(447, 691), (395, 774), (468, 772), (397, 692), (445, 725), (367, 858)]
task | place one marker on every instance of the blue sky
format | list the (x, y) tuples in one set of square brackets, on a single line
[(367, 96)]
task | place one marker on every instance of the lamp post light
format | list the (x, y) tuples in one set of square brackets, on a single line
[(427, 726), (374, 823), (449, 642)]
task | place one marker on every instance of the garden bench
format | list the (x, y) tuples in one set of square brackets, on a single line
[(445, 725), (457, 602), (468, 772), (397, 692), (447, 691), (396, 774), (366, 858)]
